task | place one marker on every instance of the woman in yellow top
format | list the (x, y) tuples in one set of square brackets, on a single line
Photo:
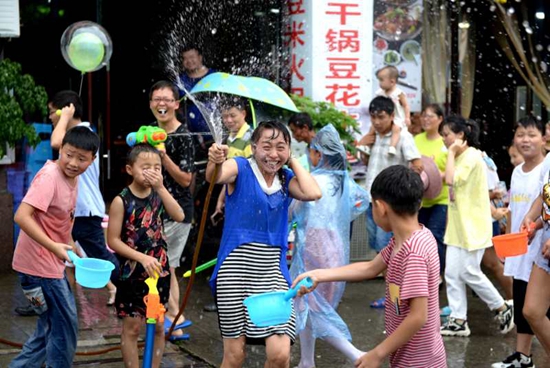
[(433, 213), (469, 228)]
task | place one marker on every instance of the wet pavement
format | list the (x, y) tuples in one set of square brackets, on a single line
[(100, 329)]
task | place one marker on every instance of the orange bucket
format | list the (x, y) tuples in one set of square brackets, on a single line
[(510, 245)]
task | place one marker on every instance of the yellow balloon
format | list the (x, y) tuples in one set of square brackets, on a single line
[(86, 51)]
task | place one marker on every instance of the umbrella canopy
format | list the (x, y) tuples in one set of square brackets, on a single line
[(254, 88)]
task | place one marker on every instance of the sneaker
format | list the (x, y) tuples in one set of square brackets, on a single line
[(454, 328), (506, 319), (517, 359), (392, 151), (27, 311)]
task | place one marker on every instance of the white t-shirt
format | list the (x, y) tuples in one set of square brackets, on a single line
[(524, 189), (399, 117)]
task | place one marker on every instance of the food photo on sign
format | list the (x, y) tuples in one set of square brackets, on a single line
[(397, 32)]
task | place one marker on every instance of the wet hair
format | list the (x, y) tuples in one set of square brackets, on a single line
[(190, 47), (65, 98), (301, 119), (161, 84), (83, 138), (278, 129), (381, 103), (229, 102), (437, 109), (393, 73), (470, 129), (139, 149), (531, 121), (400, 187)]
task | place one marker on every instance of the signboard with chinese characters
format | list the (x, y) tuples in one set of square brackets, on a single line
[(337, 46), (396, 32), (331, 52)]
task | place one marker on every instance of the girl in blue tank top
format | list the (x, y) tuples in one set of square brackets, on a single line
[(251, 258)]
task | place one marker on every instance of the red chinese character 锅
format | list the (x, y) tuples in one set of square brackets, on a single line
[(343, 40), (343, 68), (295, 67), (344, 94), (343, 11), (295, 7), (293, 33)]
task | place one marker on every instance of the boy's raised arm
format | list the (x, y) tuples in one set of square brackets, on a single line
[(357, 271)]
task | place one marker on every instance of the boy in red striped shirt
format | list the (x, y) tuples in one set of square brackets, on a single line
[(412, 263)]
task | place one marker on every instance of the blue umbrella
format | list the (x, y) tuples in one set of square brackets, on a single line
[(252, 88)]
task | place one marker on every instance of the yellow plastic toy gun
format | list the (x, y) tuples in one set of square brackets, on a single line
[(153, 135)]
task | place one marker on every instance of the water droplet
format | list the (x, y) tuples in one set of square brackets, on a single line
[(214, 30), (529, 30), (191, 115), (511, 11), (493, 8)]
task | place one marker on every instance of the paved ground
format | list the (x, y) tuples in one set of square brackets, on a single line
[(99, 329)]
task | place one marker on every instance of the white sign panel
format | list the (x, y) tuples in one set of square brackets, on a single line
[(331, 59), (9, 18)]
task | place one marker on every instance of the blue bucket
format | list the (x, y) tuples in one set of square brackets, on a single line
[(91, 272), (275, 308)]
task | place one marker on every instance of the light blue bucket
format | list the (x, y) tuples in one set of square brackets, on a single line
[(274, 308), (91, 272)]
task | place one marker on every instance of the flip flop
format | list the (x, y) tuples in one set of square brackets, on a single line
[(378, 303), (168, 323), (183, 337)]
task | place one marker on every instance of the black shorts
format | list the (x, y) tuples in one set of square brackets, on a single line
[(130, 293)]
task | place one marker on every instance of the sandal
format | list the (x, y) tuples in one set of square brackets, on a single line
[(378, 303), (168, 324), (183, 337)]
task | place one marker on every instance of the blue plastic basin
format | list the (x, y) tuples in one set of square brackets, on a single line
[(274, 308), (91, 272)]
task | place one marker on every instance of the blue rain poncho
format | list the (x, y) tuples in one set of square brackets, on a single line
[(323, 235)]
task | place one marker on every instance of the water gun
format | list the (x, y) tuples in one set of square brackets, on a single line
[(152, 135), (154, 312), (155, 309)]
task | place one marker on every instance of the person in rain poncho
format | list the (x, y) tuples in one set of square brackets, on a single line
[(322, 241)]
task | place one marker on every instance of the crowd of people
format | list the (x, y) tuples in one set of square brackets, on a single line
[(422, 241)]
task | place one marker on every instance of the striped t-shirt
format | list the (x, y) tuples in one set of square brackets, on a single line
[(413, 272)]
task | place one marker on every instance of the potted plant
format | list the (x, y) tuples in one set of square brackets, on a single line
[(20, 99)]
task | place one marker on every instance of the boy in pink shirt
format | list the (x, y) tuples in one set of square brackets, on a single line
[(46, 217)]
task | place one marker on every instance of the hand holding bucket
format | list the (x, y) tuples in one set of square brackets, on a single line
[(511, 245), (275, 308), (91, 272)]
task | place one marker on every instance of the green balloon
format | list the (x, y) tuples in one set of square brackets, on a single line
[(86, 52)]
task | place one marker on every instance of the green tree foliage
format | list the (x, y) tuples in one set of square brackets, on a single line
[(20, 98), (323, 113)]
